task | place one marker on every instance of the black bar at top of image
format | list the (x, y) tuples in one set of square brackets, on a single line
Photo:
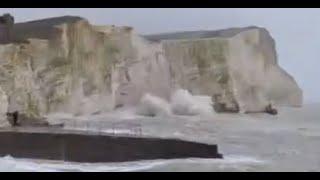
[(158, 4)]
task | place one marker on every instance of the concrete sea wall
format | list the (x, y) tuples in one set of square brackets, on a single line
[(83, 147)]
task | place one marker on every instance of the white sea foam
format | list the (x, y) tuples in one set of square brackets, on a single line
[(26, 165)]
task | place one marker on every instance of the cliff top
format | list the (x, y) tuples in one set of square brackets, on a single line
[(50, 21), (198, 34), (43, 28)]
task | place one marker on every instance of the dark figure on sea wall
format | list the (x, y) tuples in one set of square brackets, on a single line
[(6, 28), (20, 119), (13, 118)]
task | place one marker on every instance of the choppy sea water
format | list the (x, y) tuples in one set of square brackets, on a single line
[(257, 142), (30, 165)]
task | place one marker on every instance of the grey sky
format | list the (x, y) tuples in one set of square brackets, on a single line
[(296, 31)]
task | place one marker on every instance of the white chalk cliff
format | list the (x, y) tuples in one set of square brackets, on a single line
[(65, 64), (240, 64)]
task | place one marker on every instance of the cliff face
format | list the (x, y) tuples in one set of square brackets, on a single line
[(66, 64), (238, 64), (256, 77)]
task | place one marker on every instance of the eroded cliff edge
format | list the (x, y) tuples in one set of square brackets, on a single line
[(66, 64)]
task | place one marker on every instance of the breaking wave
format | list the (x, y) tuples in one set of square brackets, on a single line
[(181, 103)]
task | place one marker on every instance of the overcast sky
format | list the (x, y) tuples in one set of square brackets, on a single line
[(296, 31)]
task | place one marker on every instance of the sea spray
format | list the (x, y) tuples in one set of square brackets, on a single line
[(153, 106), (184, 103), (181, 103)]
